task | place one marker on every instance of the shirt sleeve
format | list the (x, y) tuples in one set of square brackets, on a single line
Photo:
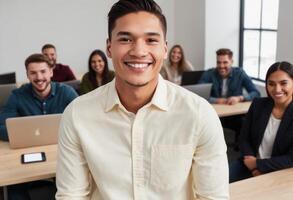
[(9, 110), (70, 94), (73, 178), (210, 166)]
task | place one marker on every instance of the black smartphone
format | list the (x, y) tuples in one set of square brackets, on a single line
[(33, 157)]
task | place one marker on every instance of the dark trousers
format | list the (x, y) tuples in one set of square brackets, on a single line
[(234, 123), (44, 190), (238, 171)]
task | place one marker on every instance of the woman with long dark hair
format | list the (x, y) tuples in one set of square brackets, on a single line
[(266, 140), (98, 72)]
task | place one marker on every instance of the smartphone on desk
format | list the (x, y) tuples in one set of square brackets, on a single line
[(33, 157)]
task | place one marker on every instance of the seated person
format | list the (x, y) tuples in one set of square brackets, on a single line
[(175, 65), (266, 140), (61, 73), (228, 82), (98, 74), (39, 97)]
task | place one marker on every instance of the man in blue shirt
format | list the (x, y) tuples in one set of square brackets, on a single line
[(228, 82), (39, 97)]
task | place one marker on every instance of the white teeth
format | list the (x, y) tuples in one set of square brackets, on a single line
[(137, 65), (39, 82), (278, 95)]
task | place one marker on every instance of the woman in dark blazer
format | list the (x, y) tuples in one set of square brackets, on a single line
[(266, 140)]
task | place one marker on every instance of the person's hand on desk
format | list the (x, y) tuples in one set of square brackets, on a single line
[(250, 163), (256, 172), (234, 99), (221, 101)]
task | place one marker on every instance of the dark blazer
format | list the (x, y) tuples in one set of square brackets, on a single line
[(253, 130)]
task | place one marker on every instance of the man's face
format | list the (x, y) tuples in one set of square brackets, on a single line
[(224, 64), (51, 54), (137, 49), (39, 74)]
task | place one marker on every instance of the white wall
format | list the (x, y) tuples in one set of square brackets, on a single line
[(190, 30), (221, 29), (285, 32), (75, 27)]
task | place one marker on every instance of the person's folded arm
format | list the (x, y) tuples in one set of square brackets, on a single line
[(275, 163)]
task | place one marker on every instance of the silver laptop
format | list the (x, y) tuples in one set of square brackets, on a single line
[(34, 130), (203, 90)]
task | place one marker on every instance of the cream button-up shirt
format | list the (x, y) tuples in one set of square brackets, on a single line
[(172, 148)]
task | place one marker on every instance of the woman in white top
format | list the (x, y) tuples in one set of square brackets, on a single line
[(266, 141), (175, 65)]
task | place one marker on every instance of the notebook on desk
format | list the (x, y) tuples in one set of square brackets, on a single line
[(203, 90), (34, 130)]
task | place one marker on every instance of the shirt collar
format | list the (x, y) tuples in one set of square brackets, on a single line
[(159, 98)]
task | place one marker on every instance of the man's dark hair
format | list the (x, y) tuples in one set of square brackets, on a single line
[(224, 51), (124, 7), (48, 46), (36, 58)]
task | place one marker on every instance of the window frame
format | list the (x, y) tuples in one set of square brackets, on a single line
[(241, 37)]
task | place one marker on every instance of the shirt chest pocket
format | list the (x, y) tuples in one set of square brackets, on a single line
[(170, 165)]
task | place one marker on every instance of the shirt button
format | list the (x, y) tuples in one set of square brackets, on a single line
[(44, 103)]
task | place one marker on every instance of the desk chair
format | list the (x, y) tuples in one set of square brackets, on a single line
[(5, 91), (8, 78)]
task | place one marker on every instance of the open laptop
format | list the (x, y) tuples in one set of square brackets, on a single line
[(191, 77), (203, 90), (34, 130)]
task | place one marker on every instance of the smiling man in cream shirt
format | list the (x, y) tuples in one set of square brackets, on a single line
[(140, 137)]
